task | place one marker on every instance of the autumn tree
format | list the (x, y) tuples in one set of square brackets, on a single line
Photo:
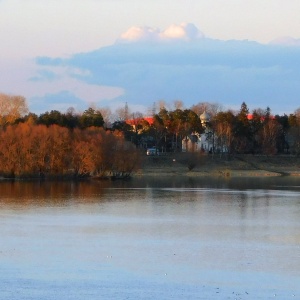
[(21, 150), (126, 158), (99, 152), (30, 118), (8, 151), (82, 153), (11, 108), (58, 159), (38, 150)]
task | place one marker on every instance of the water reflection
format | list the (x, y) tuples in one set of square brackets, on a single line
[(154, 238), (245, 191), (49, 193)]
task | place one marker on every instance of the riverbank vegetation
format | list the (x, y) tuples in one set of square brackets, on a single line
[(29, 150), (99, 143)]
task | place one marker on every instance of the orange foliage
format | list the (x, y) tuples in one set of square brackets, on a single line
[(37, 150)]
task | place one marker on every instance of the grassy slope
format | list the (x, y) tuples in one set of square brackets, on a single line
[(203, 165)]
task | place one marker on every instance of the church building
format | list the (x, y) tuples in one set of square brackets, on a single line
[(203, 142)]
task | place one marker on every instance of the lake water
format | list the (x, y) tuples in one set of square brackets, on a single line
[(155, 238)]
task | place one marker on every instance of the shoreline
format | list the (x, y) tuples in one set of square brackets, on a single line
[(229, 173), (195, 165)]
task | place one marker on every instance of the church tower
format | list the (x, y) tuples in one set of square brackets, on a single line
[(204, 118)]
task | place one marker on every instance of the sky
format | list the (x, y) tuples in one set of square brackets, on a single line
[(76, 53)]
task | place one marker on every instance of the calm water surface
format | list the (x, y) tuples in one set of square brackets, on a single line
[(149, 238)]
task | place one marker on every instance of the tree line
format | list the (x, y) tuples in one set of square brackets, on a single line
[(91, 143), (57, 144), (44, 151), (236, 132)]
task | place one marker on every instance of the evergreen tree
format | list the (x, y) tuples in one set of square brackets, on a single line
[(91, 117)]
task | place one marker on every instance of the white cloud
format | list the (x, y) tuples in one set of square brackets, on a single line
[(183, 31), (140, 33)]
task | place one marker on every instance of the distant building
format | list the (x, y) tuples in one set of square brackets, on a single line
[(203, 142), (191, 143)]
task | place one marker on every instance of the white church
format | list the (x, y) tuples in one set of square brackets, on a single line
[(203, 142)]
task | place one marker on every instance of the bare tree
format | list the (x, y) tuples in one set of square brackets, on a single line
[(178, 104), (211, 108), (269, 135), (121, 114), (107, 116)]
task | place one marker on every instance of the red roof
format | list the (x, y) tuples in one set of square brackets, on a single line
[(150, 120), (250, 117)]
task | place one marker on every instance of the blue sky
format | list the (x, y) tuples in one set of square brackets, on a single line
[(62, 53)]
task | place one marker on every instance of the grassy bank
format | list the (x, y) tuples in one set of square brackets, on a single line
[(192, 164)]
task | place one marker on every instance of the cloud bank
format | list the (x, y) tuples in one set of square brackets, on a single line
[(148, 64), (286, 41)]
